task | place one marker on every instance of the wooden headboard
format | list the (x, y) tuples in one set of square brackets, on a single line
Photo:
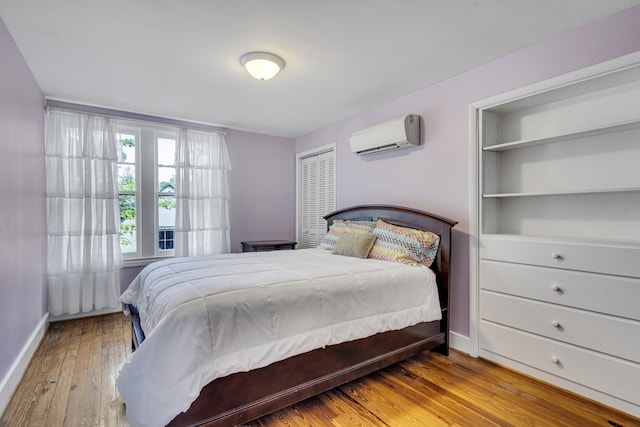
[(413, 218)]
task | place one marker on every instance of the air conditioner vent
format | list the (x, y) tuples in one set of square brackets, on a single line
[(403, 132)]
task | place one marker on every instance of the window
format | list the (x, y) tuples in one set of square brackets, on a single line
[(146, 184), (165, 238), (127, 192), (166, 195)]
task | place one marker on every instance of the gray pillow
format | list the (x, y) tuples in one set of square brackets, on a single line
[(355, 245)]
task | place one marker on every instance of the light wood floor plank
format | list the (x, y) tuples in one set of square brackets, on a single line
[(58, 408), (84, 392), (502, 402), (547, 397), (71, 382), (36, 396), (347, 412), (476, 394), (109, 414), (391, 405), (441, 402), (121, 350)]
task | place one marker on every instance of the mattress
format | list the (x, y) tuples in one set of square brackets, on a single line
[(208, 317)]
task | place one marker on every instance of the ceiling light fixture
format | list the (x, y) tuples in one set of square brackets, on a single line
[(262, 65)]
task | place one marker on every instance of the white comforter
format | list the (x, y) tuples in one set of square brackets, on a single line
[(208, 317)]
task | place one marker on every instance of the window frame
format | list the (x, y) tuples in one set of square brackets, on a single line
[(164, 134), (136, 132), (147, 190)]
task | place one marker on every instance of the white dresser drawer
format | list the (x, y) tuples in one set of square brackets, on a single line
[(619, 296), (603, 333), (620, 260), (616, 377)]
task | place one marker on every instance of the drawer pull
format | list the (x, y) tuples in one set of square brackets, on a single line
[(556, 288), (556, 255), (555, 324), (555, 359)]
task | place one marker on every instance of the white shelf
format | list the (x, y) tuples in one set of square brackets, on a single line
[(566, 89), (564, 193), (618, 127), (622, 243)]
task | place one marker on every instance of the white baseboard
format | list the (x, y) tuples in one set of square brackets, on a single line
[(459, 342), (14, 375)]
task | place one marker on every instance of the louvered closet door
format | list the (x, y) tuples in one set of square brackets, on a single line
[(318, 196)]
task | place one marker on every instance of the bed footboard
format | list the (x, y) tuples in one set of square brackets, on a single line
[(241, 397)]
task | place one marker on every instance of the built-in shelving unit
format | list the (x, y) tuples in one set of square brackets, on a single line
[(559, 232)]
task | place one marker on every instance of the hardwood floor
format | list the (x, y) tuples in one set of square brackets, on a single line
[(71, 382)]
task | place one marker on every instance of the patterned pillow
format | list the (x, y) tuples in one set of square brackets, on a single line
[(341, 226), (405, 245)]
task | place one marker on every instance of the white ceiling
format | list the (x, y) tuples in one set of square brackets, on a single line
[(180, 59)]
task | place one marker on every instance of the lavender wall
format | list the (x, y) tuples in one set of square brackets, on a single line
[(435, 176), (262, 185), (23, 256)]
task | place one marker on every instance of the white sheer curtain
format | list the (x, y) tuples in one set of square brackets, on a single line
[(202, 194), (83, 212)]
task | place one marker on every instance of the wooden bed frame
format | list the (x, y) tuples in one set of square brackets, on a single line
[(245, 396)]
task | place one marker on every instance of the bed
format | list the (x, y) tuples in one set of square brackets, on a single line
[(250, 382)]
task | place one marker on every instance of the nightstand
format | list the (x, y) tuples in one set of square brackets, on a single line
[(267, 245)]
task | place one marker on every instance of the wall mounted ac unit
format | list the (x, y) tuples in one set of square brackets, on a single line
[(403, 132)]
